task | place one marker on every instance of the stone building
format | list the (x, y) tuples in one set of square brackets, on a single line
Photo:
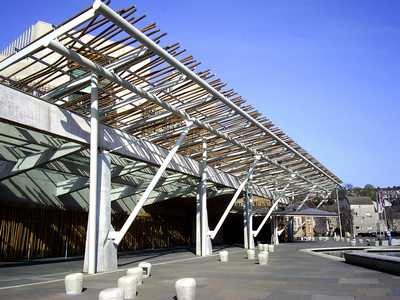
[(364, 215)]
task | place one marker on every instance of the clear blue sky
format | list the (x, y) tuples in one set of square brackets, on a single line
[(326, 72)]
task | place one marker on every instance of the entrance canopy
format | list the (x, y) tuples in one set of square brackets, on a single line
[(149, 87)]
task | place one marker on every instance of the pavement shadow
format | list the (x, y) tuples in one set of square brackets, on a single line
[(150, 254)]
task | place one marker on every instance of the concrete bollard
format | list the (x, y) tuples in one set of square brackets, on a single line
[(271, 248), (128, 284), (376, 243), (146, 269), (260, 247), (353, 243), (251, 254), (263, 258), (74, 284), (185, 289), (223, 256), (138, 272), (265, 247), (111, 294)]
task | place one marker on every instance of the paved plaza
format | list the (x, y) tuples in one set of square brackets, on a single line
[(290, 274)]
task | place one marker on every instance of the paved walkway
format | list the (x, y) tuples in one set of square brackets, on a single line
[(290, 274)]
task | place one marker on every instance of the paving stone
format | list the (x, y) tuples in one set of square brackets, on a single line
[(358, 281), (290, 274), (327, 297)]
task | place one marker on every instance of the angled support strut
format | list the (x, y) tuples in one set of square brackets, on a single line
[(214, 232), (117, 236), (318, 206), (272, 208)]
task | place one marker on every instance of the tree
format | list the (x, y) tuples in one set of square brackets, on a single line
[(348, 187)]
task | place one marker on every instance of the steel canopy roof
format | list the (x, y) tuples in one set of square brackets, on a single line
[(234, 130)]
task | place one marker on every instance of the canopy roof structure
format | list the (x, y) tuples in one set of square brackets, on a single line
[(148, 88)]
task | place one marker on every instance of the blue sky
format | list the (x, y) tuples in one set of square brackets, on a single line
[(326, 72)]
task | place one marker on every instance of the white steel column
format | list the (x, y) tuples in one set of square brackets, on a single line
[(245, 213), (106, 250), (276, 233), (272, 229), (248, 207), (100, 256), (93, 200), (248, 216), (202, 231), (338, 211), (205, 239), (198, 219)]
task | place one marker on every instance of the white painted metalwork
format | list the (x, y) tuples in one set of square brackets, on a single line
[(214, 232), (48, 37), (148, 91), (266, 217), (117, 236), (94, 167), (36, 116), (100, 7), (204, 237), (59, 48), (223, 111), (338, 210)]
